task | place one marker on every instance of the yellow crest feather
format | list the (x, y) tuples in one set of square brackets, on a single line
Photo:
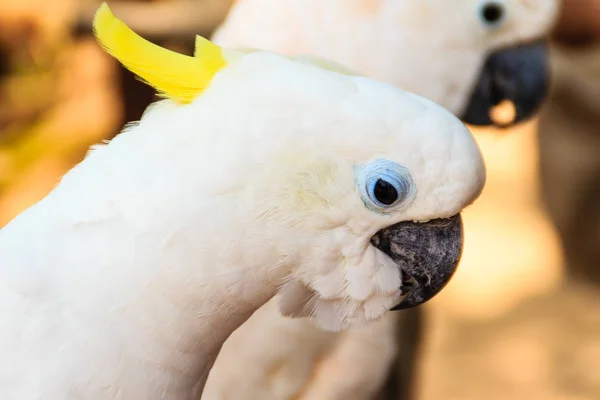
[(176, 76)]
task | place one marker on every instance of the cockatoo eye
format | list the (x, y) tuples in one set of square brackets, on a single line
[(384, 185), (492, 13)]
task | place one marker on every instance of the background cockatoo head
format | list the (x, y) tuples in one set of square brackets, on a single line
[(349, 188), (466, 55)]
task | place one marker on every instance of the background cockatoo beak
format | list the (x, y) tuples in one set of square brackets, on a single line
[(517, 74)]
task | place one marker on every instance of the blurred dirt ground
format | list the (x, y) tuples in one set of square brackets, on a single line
[(506, 327)]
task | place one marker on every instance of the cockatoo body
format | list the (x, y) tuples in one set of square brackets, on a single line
[(257, 175)]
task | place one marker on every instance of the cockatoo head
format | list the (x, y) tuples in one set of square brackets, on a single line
[(466, 55), (352, 189)]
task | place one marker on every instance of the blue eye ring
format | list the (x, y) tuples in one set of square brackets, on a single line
[(492, 13), (384, 185)]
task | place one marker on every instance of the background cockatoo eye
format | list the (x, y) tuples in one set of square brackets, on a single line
[(384, 185), (492, 13)]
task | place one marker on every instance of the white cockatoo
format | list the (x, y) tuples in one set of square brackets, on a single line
[(258, 175), (466, 55)]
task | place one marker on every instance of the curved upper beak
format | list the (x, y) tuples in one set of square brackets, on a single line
[(427, 254), (518, 74)]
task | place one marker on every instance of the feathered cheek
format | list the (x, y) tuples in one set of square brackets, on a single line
[(359, 277), (355, 290), (373, 274)]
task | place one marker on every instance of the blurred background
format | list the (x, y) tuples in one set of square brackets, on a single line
[(521, 319)]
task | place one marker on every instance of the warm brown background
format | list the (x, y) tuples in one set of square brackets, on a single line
[(509, 326)]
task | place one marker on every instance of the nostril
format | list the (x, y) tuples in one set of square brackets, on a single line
[(492, 13)]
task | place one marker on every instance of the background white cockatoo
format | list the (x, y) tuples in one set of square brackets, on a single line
[(259, 174), (468, 56)]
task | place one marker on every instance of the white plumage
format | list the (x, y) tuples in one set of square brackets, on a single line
[(126, 279)]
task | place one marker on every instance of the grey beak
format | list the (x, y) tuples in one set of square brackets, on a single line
[(519, 74), (427, 254)]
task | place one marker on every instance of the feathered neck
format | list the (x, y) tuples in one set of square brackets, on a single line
[(128, 268)]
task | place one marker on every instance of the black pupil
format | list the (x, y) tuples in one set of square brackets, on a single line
[(385, 192), (492, 13)]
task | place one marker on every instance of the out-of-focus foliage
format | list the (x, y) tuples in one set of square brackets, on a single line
[(56, 98)]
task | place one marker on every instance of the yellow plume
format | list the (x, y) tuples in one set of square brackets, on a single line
[(175, 76)]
